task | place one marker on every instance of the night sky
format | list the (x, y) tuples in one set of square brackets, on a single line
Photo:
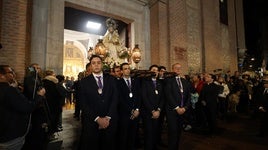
[(255, 14), (255, 11)]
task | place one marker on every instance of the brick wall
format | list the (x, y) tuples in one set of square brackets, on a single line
[(1, 9), (15, 33), (192, 35)]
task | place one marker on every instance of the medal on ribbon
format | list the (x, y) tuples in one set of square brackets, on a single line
[(130, 95), (100, 91)]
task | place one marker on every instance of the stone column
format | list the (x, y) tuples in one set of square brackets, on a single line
[(47, 34), (159, 33), (39, 32), (177, 15), (55, 36)]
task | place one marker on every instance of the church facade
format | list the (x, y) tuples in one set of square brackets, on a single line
[(202, 35)]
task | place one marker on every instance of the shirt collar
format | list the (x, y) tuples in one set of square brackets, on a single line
[(178, 77), (126, 78), (97, 75)]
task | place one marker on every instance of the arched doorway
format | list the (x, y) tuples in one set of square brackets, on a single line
[(74, 58)]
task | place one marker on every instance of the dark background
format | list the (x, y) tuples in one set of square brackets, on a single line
[(75, 19), (256, 24)]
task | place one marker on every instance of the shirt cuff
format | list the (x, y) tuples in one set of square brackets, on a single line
[(108, 117), (176, 108), (96, 119)]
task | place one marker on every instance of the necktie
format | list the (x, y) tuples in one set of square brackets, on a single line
[(181, 90), (99, 82), (128, 84), (154, 82), (180, 84)]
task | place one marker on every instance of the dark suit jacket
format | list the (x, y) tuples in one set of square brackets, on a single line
[(94, 104), (173, 94), (262, 98), (127, 127), (127, 104), (150, 100), (29, 83), (15, 110), (209, 94)]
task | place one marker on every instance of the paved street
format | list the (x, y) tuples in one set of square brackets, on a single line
[(234, 135)]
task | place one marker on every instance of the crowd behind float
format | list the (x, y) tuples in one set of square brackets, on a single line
[(114, 105)]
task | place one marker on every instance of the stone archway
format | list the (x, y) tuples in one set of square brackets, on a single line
[(47, 45)]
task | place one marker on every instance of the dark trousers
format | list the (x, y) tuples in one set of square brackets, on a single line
[(243, 105), (93, 138), (264, 124), (127, 129), (174, 129), (211, 113), (201, 118), (151, 130), (36, 139), (222, 107), (77, 109), (162, 122)]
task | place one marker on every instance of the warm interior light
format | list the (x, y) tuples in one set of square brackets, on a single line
[(93, 25)]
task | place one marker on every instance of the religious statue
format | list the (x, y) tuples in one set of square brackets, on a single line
[(117, 52)]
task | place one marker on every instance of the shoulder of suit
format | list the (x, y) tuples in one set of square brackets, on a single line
[(135, 79), (170, 79), (107, 75), (86, 78), (120, 80)]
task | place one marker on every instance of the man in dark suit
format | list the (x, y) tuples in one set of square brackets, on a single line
[(15, 110), (152, 104), (129, 105), (99, 99), (40, 121), (262, 98), (209, 99), (177, 91)]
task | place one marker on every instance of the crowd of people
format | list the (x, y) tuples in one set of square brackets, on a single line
[(114, 106)]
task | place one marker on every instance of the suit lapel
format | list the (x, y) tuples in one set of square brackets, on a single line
[(175, 82), (124, 84), (93, 82), (105, 82)]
